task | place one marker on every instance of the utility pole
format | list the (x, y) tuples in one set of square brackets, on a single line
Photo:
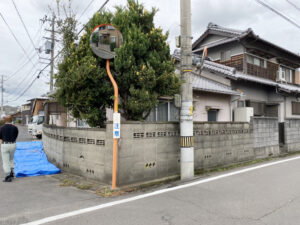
[(52, 52), (50, 46), (186, 91)]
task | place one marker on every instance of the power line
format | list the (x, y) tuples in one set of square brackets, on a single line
[(26, 89), (83, 12), (20, 17), (278, 13), (23, 64), (19, 69), (293, 4), (41, 71), (16, 39), (97, 11)]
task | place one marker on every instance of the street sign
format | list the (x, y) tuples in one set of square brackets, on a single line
[(116, 125)]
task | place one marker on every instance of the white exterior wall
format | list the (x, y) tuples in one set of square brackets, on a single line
[(215, 52), (217, 101)]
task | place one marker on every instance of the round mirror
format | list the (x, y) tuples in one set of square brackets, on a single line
[(105, 38)]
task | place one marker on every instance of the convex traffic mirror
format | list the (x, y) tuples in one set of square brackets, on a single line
[(105, 38)]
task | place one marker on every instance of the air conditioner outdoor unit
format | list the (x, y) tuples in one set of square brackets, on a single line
[(243, 114), (281, 76)]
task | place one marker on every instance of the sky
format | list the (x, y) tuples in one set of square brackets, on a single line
[(230, 13)]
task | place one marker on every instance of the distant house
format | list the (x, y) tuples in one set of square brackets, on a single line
[(17, 117), (26, 113), (35, 106)]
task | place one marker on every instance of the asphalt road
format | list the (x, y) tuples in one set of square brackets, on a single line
[(269, 195), (30, 198), (264, 196)]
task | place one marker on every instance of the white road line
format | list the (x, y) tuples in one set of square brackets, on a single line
[(118, 202)]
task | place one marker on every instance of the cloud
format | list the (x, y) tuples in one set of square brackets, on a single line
[(230, 13)]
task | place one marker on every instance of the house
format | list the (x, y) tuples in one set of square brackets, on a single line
[(55, 113), (212, 92), (35, 106), (26, 113), (265, 74), (17, 117)]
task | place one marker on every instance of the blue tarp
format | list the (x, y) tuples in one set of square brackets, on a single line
[(30, 160)]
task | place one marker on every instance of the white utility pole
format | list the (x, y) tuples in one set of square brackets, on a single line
[(186, 91)]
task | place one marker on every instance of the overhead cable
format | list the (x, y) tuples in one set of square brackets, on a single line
[(278, 13)]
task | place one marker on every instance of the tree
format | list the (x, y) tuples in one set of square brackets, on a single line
[(143, 68)]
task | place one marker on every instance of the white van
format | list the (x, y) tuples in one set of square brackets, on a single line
[(37, 128), (31, 123)]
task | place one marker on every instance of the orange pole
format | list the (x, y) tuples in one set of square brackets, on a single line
[(115, 144)]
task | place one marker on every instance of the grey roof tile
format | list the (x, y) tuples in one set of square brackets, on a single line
[(205, 84)]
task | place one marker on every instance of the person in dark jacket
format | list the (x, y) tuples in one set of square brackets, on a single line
[(8, 135)]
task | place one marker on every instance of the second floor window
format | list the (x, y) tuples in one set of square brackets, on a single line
[(256, 61), (225, 56), (287, 74)]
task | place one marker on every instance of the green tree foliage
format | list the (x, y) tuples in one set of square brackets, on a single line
[(143, 68)]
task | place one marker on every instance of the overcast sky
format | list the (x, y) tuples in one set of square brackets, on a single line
[(230, 13)]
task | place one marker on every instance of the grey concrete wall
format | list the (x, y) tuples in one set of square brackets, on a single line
[(266, 136), (220, 144), (86, 152), (149, 151), (292, 134)]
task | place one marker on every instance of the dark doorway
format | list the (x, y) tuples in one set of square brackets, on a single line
[(281, 134)]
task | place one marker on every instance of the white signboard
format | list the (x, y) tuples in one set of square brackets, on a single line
[(116, 125)]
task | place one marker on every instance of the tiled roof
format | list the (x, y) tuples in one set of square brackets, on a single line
[(204, 84), (233, 35), (215, 27)]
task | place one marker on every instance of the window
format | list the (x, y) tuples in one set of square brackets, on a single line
[(295, 108), (240, 104), (286, 74), (258, 107), (40, 120), (112, 39), (162, 112), (82, 123), (165, 111), (225, 56), (256, 61), (212, 115)]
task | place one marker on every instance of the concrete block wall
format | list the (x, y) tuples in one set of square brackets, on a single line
[(220, 144), (266, 136), (292, 134), (86, 152), (149, 150)]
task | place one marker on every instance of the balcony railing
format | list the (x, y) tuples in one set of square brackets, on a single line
[(268, 69)]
